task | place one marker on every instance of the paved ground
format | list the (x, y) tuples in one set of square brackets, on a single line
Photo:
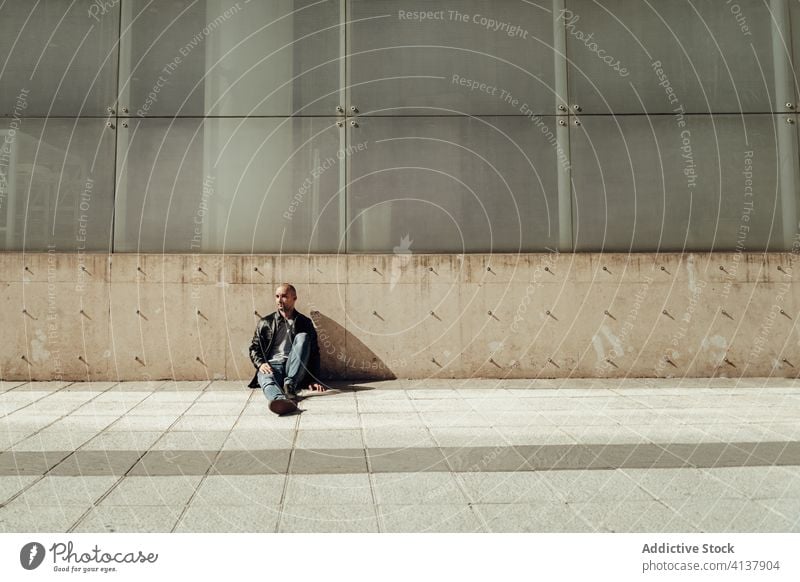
[(445, 456)]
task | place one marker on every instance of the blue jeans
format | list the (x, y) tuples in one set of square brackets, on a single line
[(293, 369)]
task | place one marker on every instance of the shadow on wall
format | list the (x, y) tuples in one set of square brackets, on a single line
[(343, 356)]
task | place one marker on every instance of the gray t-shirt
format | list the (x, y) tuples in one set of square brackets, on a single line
[(282, 342)]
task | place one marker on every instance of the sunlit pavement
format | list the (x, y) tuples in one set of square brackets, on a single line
[(403, 456)]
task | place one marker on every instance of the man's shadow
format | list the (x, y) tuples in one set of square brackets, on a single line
[(344, 358)]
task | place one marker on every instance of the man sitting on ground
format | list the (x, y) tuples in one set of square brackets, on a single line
[(285, 353)]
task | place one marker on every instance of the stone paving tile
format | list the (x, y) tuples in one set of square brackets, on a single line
[(191, 441), (636, 455), (81, 491), (247, 490), (122, 441), (373, 395), (329, 421), (496, 392), (328, 461), (737, 454), (443, 405), (229, 386), (48, 406), (241, 395), (668, 433), (630, 416), (604, 435), (566, 418), (761, 482), (429, 518), (737, 433), (701, 416), (461, 418), (183, 386), (385, 406), (7, 407), (594, 486), (30, 462), (143, 423), (541, 517), (396, 437), (127, 519), (417, 489), (158, 490), (435, 393), (121, 396), (205, 423), (788, 509), (267, 421), (329, 519), (19, 517), (143, 386), (507, 487), (6, 385), (463, 437), (148, 408), (96, 463), (384, 420), (215, 408), (406, 460), (497, 405), (8, 439), (788, 430), (10, 485), (543, 403), (730, 515), (229, 518), (247, 439), (251, 462), (84, 423), (343, 489), (43, 387), (629, 516), (43, 441), (474, 459), (519, 435), (169, 463), (328, 405), (22, 397), (764, 414), (19, 421), (116, 409), (683, 483), (175, 397), (329, 439)]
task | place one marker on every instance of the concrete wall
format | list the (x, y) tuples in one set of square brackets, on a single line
[(134, 317)]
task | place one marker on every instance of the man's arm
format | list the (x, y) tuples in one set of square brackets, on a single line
[(256, 354)]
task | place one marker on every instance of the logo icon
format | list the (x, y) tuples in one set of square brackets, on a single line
[(31, 555)]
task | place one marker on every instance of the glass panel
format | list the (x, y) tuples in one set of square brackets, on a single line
[(229, 185), (652, 184), (56, 185), (435, 184), (61, 56), (230, 58), (655, 57), (480, 57)]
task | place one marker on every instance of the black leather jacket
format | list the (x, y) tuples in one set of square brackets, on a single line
[(262, 343)]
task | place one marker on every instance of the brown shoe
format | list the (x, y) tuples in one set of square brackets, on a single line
[(282, 406)]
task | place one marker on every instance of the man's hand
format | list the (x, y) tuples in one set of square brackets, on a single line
[(265, 369), (315, 387)]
